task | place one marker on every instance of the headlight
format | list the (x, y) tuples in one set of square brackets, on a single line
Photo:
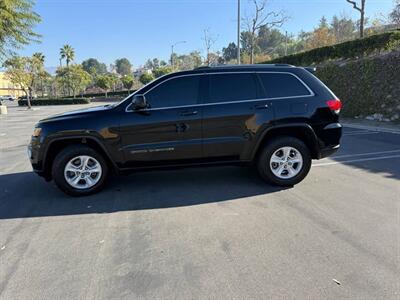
[(37, 132)]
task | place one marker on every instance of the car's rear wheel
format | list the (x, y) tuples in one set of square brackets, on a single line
[(284, 161), (79, 170)]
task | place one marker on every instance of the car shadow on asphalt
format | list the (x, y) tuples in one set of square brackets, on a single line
[(25, 195)]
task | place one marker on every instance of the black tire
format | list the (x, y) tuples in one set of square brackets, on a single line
[(64, 157), (264, 158)]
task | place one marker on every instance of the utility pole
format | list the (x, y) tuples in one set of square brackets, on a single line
[(238, 33), (172, 53), (286, 43)]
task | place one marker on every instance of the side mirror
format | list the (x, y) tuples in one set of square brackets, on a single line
[(139, 102)]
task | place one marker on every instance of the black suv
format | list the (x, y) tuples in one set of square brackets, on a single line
[(277, 117)]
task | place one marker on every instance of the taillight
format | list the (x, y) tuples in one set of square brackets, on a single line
[(335, 105)]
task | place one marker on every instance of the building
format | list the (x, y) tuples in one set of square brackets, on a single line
[(8, 88), (140, 71)]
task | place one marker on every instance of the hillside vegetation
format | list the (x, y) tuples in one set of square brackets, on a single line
[(364, 74)]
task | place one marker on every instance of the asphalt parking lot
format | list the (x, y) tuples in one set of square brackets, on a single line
[(212, 233)]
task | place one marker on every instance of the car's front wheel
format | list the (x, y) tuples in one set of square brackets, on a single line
[(284, 161), (79, 170)]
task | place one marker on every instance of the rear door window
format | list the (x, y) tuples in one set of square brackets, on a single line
[(278, 85), (232, 87)]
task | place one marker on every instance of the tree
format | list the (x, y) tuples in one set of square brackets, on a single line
[(127, 82), (323, 23), (154, 63), (94, 67), (394, 16), (24, 72), (76, 77), (361, 9), (321, 37), (271, 41), (229, 53), (245, 41), (261, 18), (146, 78), (105, 82), (67, 53), (187, 61), (42, 74), (79, 79), (17, 21), (209, 41), (342, 28), (123, 66), (215, 59), (160, 71)]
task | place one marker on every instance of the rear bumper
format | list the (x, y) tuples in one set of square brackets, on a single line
[(328, 151), (329, 139)]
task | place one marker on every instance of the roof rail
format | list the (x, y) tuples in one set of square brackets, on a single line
[(202, 67), (283, 65), (310, 69), (244, 66)]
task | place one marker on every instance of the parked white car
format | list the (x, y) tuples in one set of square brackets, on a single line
[(7, 97)]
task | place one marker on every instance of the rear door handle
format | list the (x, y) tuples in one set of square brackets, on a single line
[(262, 106), (189, 113)]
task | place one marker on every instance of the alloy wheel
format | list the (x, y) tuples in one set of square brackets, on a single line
[(82, 172), (286, 162)]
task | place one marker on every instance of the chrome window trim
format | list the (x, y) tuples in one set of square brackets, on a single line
[(312, 94)]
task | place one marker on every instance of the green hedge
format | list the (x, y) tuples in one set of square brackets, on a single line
[(351, 49), (109, 94), (366, 86), (55, 101)]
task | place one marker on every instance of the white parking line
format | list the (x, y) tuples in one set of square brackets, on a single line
[(365, 154), (361, 133), (372, 128), (354, 160), (354, 131)]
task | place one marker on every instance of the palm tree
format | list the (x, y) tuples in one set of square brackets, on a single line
[(40, 59), (39, 56), (68, 53)]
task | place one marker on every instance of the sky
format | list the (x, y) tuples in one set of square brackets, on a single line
[(142, 29)]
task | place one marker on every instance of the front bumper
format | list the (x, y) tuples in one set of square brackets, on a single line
[(33, 152)]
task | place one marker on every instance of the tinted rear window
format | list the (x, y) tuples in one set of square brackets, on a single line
[(282, 85), (232, 87)]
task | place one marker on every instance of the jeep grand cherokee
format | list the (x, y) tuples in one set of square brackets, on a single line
[(277, 117)]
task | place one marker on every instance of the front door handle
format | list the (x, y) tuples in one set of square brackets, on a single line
[(188, 113), (181, 127)]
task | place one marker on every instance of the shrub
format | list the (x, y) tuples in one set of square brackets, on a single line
[(54, 101), (351, 49), (366, 86), (146, 78)]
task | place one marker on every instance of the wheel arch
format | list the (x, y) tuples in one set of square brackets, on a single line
[(302, 131), (56, 145)]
